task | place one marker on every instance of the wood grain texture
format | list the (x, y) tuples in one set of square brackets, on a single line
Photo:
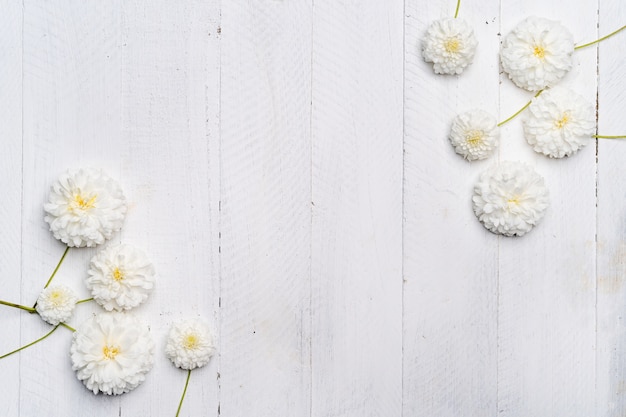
[(11, 207), (611, 215), (450, 260), (265, 211), (357, 208)]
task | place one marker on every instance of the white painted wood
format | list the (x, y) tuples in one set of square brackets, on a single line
[(450, 260), (11, 206), (611, 246), (546, 309), (356, 335), (265, 208)]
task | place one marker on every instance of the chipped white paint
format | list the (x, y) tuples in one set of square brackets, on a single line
[(287, 168)]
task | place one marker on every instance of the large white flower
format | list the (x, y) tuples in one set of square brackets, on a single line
[(559, 122), (510, 199), (537, 53), (120, 277), (56, 304), (112, 352), (474, 134), (450, 45), (190, 344), (85, 208)]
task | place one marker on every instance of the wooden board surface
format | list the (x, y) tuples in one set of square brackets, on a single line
[(288, 170)]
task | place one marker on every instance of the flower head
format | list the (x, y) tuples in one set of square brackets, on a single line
[(112, 352), (56, 304), (559, 122), (189, 344), (85, 208), (537, 53), (120, 277), (450, 45), (510, 199), (474, 134)]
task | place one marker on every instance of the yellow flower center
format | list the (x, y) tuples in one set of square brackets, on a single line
[(539, 52), (56, 297), (83, 203), (452, 45), (191, 341), (560, 123), (118, 275), (474, 137), (110, 352)]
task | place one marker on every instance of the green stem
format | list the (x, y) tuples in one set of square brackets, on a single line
[(57, 268), (180, 404), (519, 111), (456, 12), (601, 39), (32, 343), (67, 326), (29, 309), (609, 137), (84, 301)]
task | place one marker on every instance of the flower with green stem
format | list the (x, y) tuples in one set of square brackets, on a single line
[(189, 346)]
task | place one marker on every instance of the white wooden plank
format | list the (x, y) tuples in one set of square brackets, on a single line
[(450, 260), (169, 158), (266, 208), (71, 119), (611, 249), (11, 207), (546, 320), (357, 208)]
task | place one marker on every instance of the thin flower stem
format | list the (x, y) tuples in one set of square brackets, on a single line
[(57, 268), (32, 343), (67, 326), (519, 111), (601, 39), (609, 137), (29, 309), (456, 12), (86, 300), (180, 404)]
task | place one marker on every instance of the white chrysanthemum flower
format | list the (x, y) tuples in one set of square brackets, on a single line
[(474, 134), (450, 45), (120, 277), (510, 199), (112, 352), (85, 208), (537, 53), (559, 122), (190, 344), (56, 304)]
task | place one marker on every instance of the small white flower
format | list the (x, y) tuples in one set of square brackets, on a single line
[(56, 304), (474, 134), (112, 352), (537, 53), (120, 277), (189, 344), (559, 122), (510, 199), (450, 45), (85, 208)]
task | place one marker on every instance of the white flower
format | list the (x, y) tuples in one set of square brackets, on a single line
[(559, 122), (120, 277), (510, 199), (112, 352), (56, 304), (537, 53), (474, 134), (450, 45), (189, 344), (85, 208)]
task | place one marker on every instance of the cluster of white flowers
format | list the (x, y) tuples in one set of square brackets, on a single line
[(510, 199)]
